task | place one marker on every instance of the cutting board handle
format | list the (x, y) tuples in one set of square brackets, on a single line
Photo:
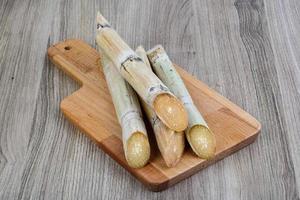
[(80, 66)]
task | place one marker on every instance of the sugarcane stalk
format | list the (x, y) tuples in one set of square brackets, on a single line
[(134, 135), (167, 107), (170, 143), (199, 136)]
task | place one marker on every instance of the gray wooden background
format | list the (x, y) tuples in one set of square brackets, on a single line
[(248, 50)]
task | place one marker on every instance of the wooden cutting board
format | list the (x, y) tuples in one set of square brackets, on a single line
[(90, 108)]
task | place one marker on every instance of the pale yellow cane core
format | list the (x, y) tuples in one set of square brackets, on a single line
[(138, 150), (171, 112), (202, 141)]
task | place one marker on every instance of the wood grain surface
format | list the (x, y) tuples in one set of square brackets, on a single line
[(248, 50)]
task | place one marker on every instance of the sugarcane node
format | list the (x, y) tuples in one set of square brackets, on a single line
[(99, 26), (131, 58)]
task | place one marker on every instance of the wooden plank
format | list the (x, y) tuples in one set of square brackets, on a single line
[(24, 37), (90, 109), (284, 30)]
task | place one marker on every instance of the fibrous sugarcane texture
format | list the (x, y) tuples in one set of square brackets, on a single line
[(152, 90), (170, 142), (135, 140), (198, 134)]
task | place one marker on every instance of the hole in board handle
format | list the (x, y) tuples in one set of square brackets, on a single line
[(67, 48)]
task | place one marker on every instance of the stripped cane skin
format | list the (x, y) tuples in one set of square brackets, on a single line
[(134, 135), (149, 87), (170, 143), (198, 134)]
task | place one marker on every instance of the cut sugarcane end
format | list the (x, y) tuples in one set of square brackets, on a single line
[(175, 150), (170, 143), (202, 141), (171, 112), (175, 154), (172, 161), (101, 20), (138, 150)]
